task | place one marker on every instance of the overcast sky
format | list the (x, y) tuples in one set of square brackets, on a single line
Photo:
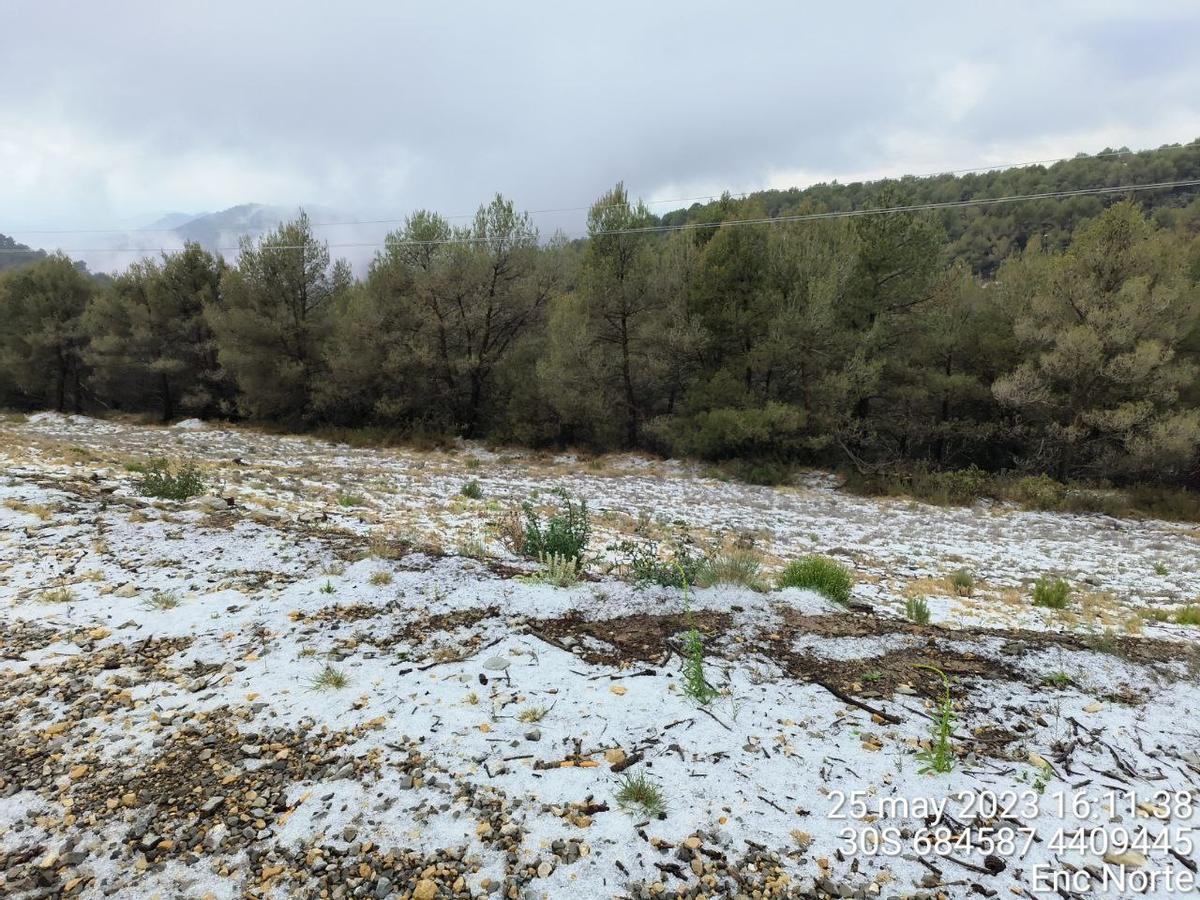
[(112, 114)]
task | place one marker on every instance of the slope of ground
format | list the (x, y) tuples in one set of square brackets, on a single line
[(326, 677)]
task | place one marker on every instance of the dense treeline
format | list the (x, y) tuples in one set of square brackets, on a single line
[(866, 340), (984, 236)]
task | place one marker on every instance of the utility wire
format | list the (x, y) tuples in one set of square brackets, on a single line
[(689, 226), (655, 202)]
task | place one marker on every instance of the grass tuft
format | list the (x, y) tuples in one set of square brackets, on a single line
[(818, 573), (159, 479), (917, 610), (381, 577), (472, 490), (739, 566), (1189, 615), (161, 600), (1051, 593), (531, 714), (560, 571), (328, 678), (57, 595), (637, 793), (963, 583)]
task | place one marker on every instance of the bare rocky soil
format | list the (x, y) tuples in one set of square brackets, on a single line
[(327, 677)]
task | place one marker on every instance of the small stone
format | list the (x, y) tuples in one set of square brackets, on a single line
[(497, 663), (426, 889), (1129, 859)]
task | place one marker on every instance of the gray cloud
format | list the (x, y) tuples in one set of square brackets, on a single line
[(113, 115)]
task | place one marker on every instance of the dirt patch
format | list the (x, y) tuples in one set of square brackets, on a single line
[(1138, 650), (635, 638), (895, 670)]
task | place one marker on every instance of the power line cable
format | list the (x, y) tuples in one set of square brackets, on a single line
[(656, 202), (687, 226)]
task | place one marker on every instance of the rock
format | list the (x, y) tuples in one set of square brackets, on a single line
[(127, 590), (533, 734), (614, 756), (426, 889), (383, 887), (210, 805), (1130, 859), (497, 663), (216, 836)]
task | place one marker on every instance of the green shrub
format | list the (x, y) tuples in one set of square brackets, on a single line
[(564, 534), (917, 610), (1038, 492), (1189, 615), (818, 573), (1172, 504), (472, 490), (765, 472), (955, 488), (939, 756), (963, 583), (165, 482), (728, 432), (1052, 593), (695, 684), (647, 565)]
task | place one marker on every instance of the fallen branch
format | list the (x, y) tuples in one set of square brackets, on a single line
[(853, 701)]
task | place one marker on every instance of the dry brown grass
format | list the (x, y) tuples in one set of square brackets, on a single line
[(41, 511)]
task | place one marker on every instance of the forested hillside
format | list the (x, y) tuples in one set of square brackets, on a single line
[(983, 236), (1057, 336), (14, 259)]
